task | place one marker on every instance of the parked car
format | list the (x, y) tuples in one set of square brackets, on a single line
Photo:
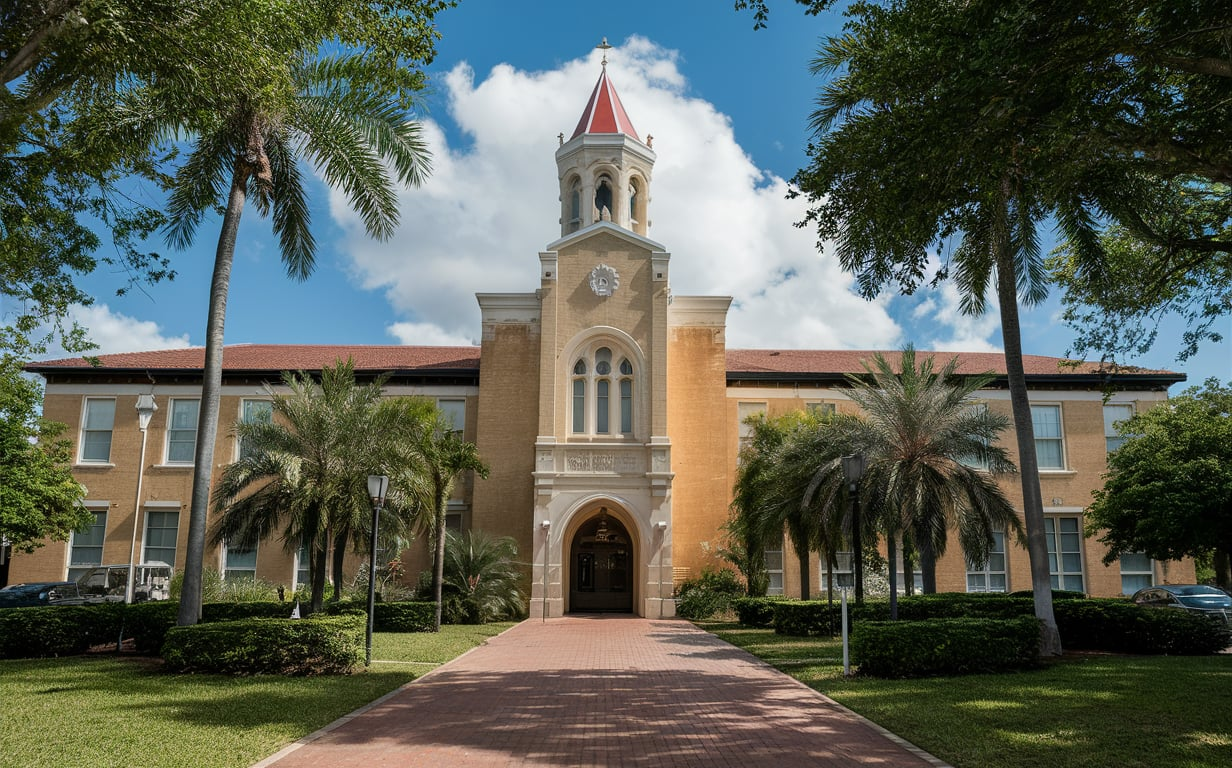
[(1198, 598), (41, 593), (108, 583)]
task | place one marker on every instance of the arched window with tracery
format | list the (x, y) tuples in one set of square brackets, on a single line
[(575, 206), (602, 387)]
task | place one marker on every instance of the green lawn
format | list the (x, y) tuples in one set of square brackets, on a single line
[(1088, 711), (88, 712)]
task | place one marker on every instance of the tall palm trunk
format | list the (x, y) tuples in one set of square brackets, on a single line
[(804, 574), (892, 554), (211, 386), (340, 542), (320, 566), (438, 565), (1028, 464), (928, 566)]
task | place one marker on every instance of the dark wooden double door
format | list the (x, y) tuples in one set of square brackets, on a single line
[(601, 578)]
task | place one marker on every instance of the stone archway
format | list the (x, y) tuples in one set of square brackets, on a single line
[(601, 566)]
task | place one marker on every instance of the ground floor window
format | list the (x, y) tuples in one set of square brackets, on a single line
[(844, 576), (1064, 536), (239, 562), (1137, 572), (303, 566), (774, 567), (86, 545), (161, 530), (989, 576)]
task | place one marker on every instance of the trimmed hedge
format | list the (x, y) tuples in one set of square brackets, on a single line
[(404, 617), (61, 630), (756, 611), (1120, 626), (944, 646), (313, 646)]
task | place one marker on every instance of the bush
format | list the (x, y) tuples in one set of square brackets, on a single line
[(1057, 594), (756, 611), (404, 617), (61, 630), (803, 618), (709, 594), (313, 646), (147, 624), (944, 646), (1122, 627)]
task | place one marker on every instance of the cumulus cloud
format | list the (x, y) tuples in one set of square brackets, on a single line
[(115, 332), (492, 203)]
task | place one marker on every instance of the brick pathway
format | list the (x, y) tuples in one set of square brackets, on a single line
[(603, 691)]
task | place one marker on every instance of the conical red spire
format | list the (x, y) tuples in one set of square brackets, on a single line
[(604, 113)]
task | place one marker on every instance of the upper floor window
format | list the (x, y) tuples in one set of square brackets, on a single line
[(254, 412), (974, 459), (1114, 413), (744, 429), (454, 411), (601, 393), (96, 425), (1049, 448), (820, 409), (182, 431), (574, 221)]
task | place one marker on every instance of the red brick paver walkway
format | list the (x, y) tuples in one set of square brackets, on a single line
[(603, 691)]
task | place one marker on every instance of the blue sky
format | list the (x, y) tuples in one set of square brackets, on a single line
[(728, 107)]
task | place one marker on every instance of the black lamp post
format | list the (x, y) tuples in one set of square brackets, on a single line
[(853, 470), (377, 486)]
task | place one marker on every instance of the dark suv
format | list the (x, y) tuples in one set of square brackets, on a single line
[(41, 593)]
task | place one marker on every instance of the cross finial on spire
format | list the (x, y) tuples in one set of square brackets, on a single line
[(603, 46)]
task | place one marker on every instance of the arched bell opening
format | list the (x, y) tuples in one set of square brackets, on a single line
[(602, 566)]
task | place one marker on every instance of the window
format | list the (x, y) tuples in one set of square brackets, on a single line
[(455, 513), (774, 566), (1046, 422), (597, 379), (820, 409), (161, 529), (1064, 552), (455, 413), (575, 206), (603, 198), (990, 575), (973, 460), (182, 431), (844, 575), (86, 545), (1137, 572), (744, 412), (97, 423), (303, 566), (1113, 414), (239, 562), (254, 412)]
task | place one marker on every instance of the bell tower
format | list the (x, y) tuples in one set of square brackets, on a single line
[(604, 168)]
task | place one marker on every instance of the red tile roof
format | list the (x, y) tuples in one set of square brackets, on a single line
[(285, 357), (604, 113), (804, 361)]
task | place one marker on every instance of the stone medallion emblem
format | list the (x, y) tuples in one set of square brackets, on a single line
[(603, 280)]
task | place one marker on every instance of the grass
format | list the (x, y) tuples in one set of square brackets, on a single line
[(1094, 711), (91, 711)]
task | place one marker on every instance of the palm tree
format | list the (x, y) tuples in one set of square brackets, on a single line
[(355, 134), (428, 442), (303, 473), (924, 441), (482, 571)]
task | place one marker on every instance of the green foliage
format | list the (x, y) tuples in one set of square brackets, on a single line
[(38, 494), (482, 572), (756, 611), (1168, 489), (405, 616), (60, 630), (1122, 627), (148, 623), (944, 646), (709, 594), (312, 646)]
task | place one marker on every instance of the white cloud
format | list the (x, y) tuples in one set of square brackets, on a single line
[(479, 222), (427, 334), (114, 332)]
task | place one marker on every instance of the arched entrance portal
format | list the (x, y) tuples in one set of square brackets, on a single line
[(601, 572)]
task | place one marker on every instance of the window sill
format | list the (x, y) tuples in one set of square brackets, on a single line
[(94, 465), (171, 466), (1057, 473)]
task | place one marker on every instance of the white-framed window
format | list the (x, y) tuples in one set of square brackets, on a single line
[(239, 562), (455, 516), (774, 566), (303, 566), (820, 408), (454, 411), (254, 412), (85, 546), (602, 385), (182, 430), (844, 574), (974, 461), (97, 422), (1137, 572), (744, 430), (1113, 413), (989, 576), (1064, 536), (1049, 442), (162, 527)]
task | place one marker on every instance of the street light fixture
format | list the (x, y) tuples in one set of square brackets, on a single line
[(853, 470), (377, 486), (145, 411)]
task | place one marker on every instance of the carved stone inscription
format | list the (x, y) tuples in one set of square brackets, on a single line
[(601, 461)]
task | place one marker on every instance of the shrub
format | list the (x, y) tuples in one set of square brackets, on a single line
[(1122, 627), (312, 646), (147, 624), (709, 594), (1057, 594), (216, 589), (756, 611), (61, 630), (404, 617), (944, 646), (482, 572), (803, 618)]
